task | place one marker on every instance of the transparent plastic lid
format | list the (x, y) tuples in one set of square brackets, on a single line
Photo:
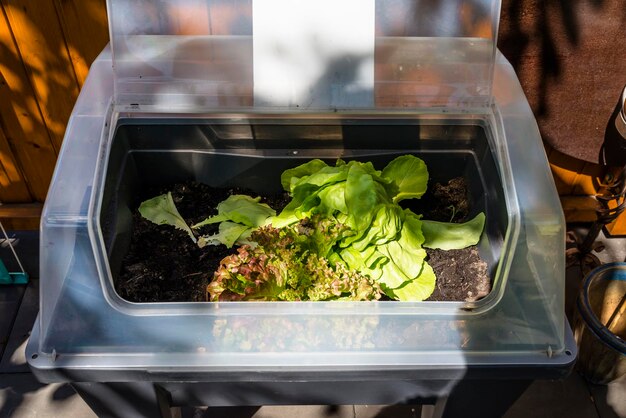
[(82, 326), (306, 55)]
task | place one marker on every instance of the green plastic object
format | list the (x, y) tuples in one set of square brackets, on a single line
[(7, 277)]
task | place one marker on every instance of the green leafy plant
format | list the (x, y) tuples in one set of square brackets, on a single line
[(162, 211), (386, 242), (343, 235), (453, 236), (291, 264), (238, 216)]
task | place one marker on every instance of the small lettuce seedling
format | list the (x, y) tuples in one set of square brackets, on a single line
[(238, 216), (162, 211)]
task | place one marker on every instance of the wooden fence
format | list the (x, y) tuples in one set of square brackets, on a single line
[(46, 47)]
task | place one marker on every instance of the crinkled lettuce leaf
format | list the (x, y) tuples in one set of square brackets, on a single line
[(228, 234), (289, 264)]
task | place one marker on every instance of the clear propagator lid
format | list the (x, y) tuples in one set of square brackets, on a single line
[(306, 55)]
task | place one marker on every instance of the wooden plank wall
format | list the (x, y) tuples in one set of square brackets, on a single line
[(46, 47)]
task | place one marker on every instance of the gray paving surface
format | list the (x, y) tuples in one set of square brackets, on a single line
[(10, 298), (387, 411), (610, 400), (22, 396), (554, 399), (13, 360)]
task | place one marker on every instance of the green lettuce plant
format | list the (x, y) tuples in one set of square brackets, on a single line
[(162, 211), (238, 216), (342, 235), (290, 264)]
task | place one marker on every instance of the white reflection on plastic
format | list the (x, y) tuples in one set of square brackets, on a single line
[(313, 54)]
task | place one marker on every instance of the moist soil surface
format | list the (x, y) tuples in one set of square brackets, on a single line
[(164, 265)]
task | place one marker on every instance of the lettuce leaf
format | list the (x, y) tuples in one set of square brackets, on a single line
[(290, 177), (419, 288), (361, 197), (409, 175), (407, 252), (325, 176), (384, 228), (229, 233), (238, 216), (451, 236), (162, 211), (241, 209)]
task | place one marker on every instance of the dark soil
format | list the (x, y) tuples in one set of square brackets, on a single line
[(445, 202), (164, 265), (461, 275)]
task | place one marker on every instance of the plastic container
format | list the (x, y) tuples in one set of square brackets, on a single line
[(253, 153), (174, 99), (523, 322), (600, 324)]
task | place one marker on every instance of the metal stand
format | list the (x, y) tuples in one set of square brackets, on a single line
[(469, 398), (125, 400), (612, 196)]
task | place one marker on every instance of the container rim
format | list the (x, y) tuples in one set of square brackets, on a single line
[(488, 121)]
